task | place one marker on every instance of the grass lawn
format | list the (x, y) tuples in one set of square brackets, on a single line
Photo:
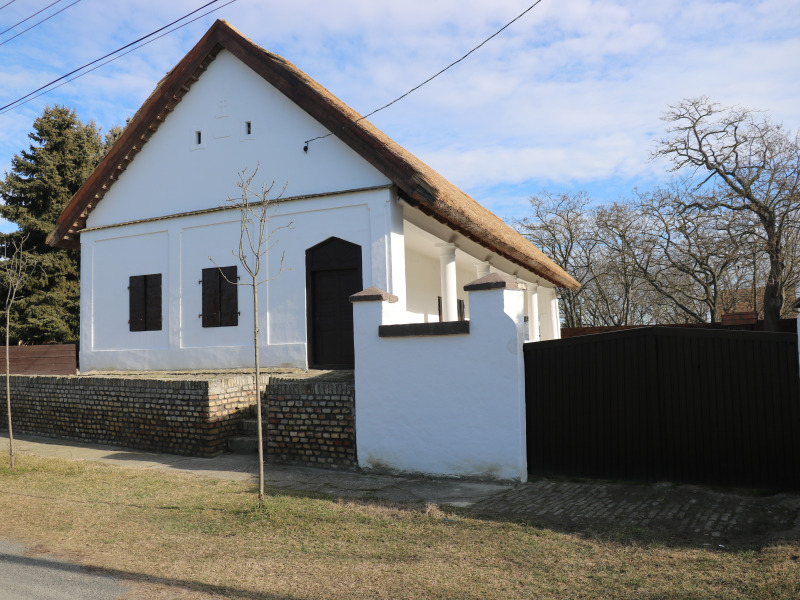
[(174, 536)]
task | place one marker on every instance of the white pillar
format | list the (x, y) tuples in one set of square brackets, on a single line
[(533, 312), (546, 325), (482, 270), (447, 269), (556, 320)]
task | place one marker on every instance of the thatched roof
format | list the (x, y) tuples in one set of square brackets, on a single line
[(417, 183)]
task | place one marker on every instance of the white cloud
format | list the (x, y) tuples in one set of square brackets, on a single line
[(569, 95)]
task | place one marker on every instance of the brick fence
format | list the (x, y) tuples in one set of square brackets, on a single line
[(180, 416), (311, 424)]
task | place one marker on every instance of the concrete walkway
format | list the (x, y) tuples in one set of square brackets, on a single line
[(676, 514), (242, 467)]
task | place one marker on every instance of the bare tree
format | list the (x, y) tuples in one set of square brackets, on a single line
[(754, 166), (688, 254), (16, 269), (624, 297), (594, 245), (561, 226), (255, 242), (648, 260)]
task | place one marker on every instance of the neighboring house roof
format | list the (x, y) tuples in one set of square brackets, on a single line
[(417, 183)]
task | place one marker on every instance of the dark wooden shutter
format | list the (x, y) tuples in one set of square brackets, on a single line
[(136, 319), (144, 302), (228, 297), (220, 297), (211, 297), (153, 302)]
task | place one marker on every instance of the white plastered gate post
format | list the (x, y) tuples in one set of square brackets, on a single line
[(443, 398)]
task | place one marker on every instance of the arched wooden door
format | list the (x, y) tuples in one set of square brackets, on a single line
[(333, 274)]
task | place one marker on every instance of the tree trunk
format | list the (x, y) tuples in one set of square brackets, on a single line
[(8, 395), (258, 397), (773, 290), (773, 296)]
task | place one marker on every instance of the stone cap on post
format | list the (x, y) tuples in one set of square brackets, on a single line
[(373, 294), (493, 281)]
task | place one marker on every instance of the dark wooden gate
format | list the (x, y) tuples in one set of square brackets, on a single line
[(333, 274), (704, 406)]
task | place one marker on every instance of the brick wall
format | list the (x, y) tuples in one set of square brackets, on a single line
[(180, 416), (310, 424)]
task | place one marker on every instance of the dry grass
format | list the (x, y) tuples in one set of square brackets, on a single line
[(188, 537)]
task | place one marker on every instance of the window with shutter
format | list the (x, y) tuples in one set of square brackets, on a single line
[(220, 297), (144, 302)]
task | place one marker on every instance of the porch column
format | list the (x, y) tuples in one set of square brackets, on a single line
[(556, 322), (545, 306), (447, 270), (533, 312)]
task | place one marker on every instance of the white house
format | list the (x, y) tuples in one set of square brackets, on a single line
[(364, 211)]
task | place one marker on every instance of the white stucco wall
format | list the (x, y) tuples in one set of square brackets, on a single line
[(172, 174), (179, 249), (422, 286), (143, 226), (443, 405)]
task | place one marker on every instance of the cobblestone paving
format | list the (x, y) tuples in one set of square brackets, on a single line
[(680, 512)]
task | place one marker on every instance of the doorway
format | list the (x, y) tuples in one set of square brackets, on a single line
[(333, 274)]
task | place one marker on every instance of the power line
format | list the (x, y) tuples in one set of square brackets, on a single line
[(7, 3), (429, 79), (27, 18), (47, 18), (22, 101), (18, 101)]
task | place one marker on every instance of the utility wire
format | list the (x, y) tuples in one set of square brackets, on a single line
[(21, 101), (18, 101), (27, 18), (47, 18), (429, 79)]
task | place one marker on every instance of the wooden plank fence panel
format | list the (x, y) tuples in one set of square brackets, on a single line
[(50, 359), (706, 406)]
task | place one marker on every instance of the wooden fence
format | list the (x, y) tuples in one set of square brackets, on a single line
[(703, 406), (51, 359)]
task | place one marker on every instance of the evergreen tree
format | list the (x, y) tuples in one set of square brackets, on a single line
[(62, 154)]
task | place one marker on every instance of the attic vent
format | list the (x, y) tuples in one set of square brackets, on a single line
[(198, 137)]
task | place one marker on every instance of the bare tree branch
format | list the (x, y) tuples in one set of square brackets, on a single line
[(16, 268), (755, 165), (255, 241)]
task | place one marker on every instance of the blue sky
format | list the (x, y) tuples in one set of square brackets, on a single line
[(566, 99)]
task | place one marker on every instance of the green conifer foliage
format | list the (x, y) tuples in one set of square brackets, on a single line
[(62, 154)]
